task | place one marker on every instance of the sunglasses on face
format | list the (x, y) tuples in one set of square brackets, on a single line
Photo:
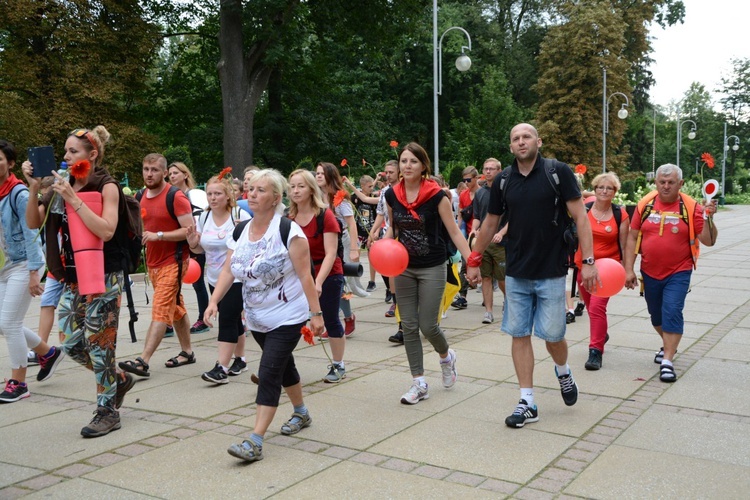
[(468, 180)]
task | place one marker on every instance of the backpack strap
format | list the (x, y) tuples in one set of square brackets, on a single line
[(14, 198), (550, 170), (617, 214), (285, 226)]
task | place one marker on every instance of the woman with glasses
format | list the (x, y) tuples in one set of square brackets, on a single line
[(181, 177), (209, 240), (20, 270), (88, 322), (609, 226)]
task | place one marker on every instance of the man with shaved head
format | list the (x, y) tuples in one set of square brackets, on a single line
[(534, 196)]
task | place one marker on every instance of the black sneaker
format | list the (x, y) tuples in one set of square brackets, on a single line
[(568, 388), (397, 338), (388, 296), (371, 286), (238, 366), (217, 375), (47, 365), (522, 415), (570, 318), (14, 391), (460, 303), (199, 327), (579, 309), (595, 360), (169, 332), (124, 384), (105, 421)]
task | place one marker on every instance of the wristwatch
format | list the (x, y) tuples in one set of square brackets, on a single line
[(313, 314), (160, 235), (589, 261)]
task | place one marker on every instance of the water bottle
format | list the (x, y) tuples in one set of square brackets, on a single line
[(58, 204)]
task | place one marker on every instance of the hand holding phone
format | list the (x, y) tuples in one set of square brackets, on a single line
[(42, 158)]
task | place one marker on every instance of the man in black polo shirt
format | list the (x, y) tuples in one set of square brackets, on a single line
[(536, 261)]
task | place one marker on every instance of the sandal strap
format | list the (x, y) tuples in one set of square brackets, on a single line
[(142, 363), (186, 355)]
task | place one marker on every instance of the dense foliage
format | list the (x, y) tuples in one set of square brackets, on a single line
[(285, 83)]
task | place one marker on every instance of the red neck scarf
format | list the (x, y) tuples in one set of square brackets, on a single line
[(11, 182), (427, 189)]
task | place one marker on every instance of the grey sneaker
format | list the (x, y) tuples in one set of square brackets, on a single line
[(125, 382), (105, 421), (449, 370), (488, 318), (336, 374), (247, 451), (415, 394)]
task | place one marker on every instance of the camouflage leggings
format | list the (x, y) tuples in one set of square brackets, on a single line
[(89, 323)]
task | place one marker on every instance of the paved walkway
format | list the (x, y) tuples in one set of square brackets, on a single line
[(629, 436)]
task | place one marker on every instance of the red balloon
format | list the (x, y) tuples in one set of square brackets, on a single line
[(612, 276), (388, 257), (193, 272)]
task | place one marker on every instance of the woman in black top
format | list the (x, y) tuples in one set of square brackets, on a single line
[(422, 219)]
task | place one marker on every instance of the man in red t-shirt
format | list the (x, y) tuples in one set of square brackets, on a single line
[(161, 236), (667, 258)]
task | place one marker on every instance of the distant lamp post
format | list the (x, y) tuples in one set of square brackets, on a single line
[(621, 114), (463, 63), (691, 135), (735, 147)]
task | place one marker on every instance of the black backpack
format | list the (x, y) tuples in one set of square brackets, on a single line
[(285, 225), (320, 220)]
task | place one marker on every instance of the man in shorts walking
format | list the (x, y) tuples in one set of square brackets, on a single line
[(536, 261), (163, 236)]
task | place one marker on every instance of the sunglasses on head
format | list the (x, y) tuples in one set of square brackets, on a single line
[(83, 133)]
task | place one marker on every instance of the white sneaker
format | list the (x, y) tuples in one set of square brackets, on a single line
[(449, 370), (488, 318), (415, 394)]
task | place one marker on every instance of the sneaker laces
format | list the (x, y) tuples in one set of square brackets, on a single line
[(521, 409), (566, 382)]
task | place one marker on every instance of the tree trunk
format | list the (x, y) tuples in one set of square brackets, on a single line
[(244, 77)]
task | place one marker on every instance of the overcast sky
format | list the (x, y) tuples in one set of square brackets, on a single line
[(699, 50)]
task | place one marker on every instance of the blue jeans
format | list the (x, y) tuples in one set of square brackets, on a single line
[(666, 300), (536, 306)]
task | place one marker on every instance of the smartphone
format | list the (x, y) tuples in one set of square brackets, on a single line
[(42, 158)]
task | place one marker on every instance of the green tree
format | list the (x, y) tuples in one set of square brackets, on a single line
[(63, 67)]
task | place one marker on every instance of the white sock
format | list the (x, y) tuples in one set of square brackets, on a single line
[(340, 364), (243, 359), (447, 359), (421, 381), (666, 362), (562, 369), (572, 311), (528, 396), (225, 369)]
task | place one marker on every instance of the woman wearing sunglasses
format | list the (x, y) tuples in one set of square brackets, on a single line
[(88, 322)]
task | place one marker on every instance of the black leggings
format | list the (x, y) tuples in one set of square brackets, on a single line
[(230, 314), (277, 368)]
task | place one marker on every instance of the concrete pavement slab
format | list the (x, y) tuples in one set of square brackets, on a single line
[(84, 488), (622, 472), (11, 474)]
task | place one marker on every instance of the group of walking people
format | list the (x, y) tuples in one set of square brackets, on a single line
[(277, 271)]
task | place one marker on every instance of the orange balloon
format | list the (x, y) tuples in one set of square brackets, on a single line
[(612, 276), (193, 272), (388, 257)]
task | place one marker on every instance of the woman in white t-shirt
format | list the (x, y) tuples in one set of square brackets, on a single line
[(279, 296), (209, 239)]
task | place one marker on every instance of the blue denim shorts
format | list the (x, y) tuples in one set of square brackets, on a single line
[(536, 306), (53, 290), (666, 300)]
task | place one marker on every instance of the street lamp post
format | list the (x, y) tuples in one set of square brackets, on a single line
[(735, 147), (622, 114), (463, 63), (691, 135)]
